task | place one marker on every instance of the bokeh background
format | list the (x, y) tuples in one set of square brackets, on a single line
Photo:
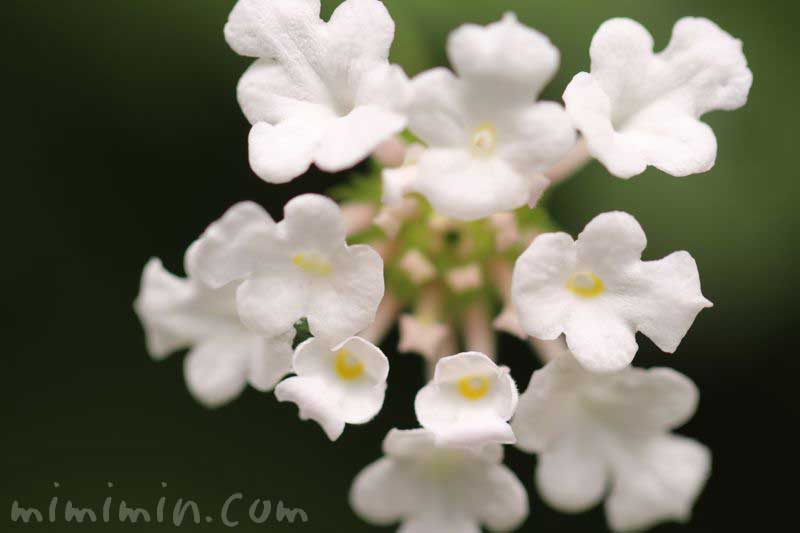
[(123, 140)]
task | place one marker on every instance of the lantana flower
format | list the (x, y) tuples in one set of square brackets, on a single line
[(438, 489), (336, 386), (637, 108), (608, 436), (599, 293), (224, 355), (319, 92), (469, 402), (299, 267), (488, 141)]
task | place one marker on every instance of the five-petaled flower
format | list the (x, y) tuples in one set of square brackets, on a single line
[(469, 402), (335, 386), (608, 435), (637, 108), (438, 489), (319, 92), (224, 355), (299, 267), (599, 293), (488, 141)]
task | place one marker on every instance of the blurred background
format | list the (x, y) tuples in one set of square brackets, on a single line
[(122, 140)]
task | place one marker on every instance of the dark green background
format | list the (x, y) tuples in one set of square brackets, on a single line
[(123, 140)]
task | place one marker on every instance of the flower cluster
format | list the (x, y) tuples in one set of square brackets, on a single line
[(443, 238)]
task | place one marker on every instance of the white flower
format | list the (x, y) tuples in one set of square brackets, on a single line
[(488, 140), (599, 293), (432, 489), (224, 355), (637, 108), (469, 401), (334, 387), (320, 92), (299, 267), (607, 435)]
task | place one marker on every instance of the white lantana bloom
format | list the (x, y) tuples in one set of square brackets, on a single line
[(488, 141), (599, 293), (433, 489), (608, 436), (320, 92), (637, 108), (299, 267), (338, 386), (224, 355), (469, 402)]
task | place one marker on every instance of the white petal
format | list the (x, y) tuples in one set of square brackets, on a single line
[(233, 247), (670, 299), (269, 92), (271, 361), (547, 408), (280, 153), (658, 482), (216, 370), (437, 113), (409, 443), (259, 29), (637, 108), (347, 304), (313, 223), (540, 134), (640, 401), (473, 433), (376, 364), (572, 474), (611, 243), (178, 313), (163, 295), (314, 399), (361, 28), (504, 502), (362, 404), (538, 282), (270, 304), (381, 494), (517, 60), (467, 188), (601, 339), (386, 87), (455, 367), (350, 139)]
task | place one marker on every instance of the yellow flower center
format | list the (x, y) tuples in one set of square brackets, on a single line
[(484, 140), (312, 263), (348, 366), (473, 387), (585, 284)]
